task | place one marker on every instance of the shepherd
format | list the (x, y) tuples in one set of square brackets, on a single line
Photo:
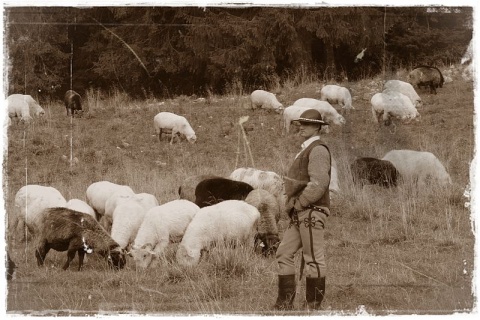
[(308, 202)]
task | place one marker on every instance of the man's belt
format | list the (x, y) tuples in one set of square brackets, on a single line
[(317, 208)]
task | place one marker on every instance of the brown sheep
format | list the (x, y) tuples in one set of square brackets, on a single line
[(64, 229)]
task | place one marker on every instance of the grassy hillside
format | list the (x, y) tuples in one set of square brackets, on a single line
[(392, 251)]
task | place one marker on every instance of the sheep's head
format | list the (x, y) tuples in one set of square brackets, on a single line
[(187, 256), (116, 258), (143, 256), (267, 244), (192, 138)]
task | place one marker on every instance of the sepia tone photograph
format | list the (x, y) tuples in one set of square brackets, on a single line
[(169, 159)]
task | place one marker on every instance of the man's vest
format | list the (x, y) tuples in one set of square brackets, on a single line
[(297, 176)]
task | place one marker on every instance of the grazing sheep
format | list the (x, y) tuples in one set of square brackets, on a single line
[(405, 88), (161, 225), (215, 190), (329, 114), (126, 219), (169, 122), (374, 171), (187, 189), (266, 180), (392, 104), (230, 221), (426, 76), (31, 200), (419, 167), (73, 102), (336, 95), (62, 229), (23, 106), (98, 193), (265, 100), (146, 200), (81, 206), (267, 231)]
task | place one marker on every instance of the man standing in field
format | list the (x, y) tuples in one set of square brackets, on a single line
[(308, 201)]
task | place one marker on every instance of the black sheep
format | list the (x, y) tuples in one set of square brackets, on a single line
[(215, 190), (73, 102), (62, 229), (374, 171), (426, 76)]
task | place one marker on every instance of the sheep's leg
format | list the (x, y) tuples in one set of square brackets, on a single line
[(174, 133), (81, 255), (70, 256), (41, 253), (160, 135)]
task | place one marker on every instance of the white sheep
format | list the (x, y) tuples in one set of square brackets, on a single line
[(146, 200), (80, 206), (392, 104), (161, 225), (31, 200), (420, 167), (265, 100), (169, 122), (98, 193), (405, 88), (266, 180), (228, 221), (267, 231), (126, 220), (23, 106), (329, 114), (335, 94)]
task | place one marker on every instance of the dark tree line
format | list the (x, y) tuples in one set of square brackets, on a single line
[(166, 51)]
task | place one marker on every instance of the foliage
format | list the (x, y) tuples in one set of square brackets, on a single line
[(168, 51)]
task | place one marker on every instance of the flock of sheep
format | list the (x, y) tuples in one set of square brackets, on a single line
[(245, 207), (116, 222)]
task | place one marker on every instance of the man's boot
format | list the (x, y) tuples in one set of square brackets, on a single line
[(286, 292), (315, 292)]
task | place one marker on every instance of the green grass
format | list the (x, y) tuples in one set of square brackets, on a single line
[(397, 251)]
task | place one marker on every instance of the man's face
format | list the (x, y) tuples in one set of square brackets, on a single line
[(307, 130)]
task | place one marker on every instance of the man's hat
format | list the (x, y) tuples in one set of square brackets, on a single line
[(311, 116)]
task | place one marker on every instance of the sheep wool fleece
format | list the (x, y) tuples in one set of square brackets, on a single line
[(308, 181)]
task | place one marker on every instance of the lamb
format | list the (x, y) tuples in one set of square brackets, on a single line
[(367, 170), (419, 167), (81, 206), (426, 76), (405, 88), (170, 122), (126, 220), (230, 221), (215, 190), (392, 104), (329, 114), (336, 95), (146, 200), (62, 229), (267, 231), (265, 100), (187, 189), (161, 225), (23, 106), (73, 102), (98, 193), (266, 180), (31, 200)]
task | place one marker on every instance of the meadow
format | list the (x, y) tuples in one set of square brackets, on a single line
[(389, 251)]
